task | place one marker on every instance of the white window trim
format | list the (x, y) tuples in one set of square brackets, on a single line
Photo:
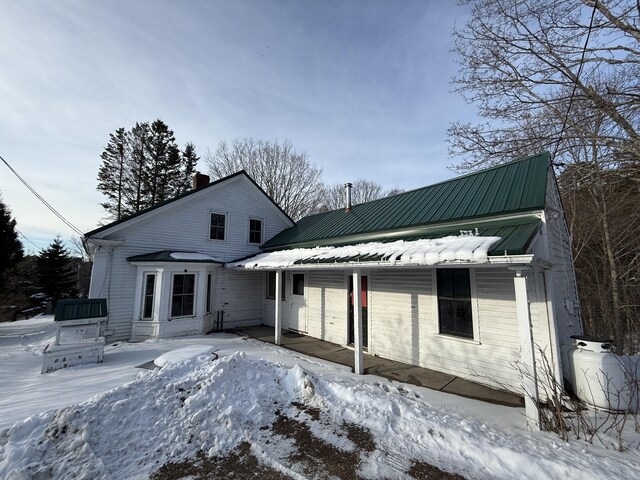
[(208, 294), (195, 295), (474, 309), (248, 224), (226, 226)]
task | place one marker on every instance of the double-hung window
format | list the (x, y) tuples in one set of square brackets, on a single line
[(182, 295), (217, 226), (271, 285), (255, 230), (147, 299), (209, 291), (454, 302)]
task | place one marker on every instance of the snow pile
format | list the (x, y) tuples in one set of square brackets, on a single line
[(164, 415), (200, 353), (172, 413), (463, 248)]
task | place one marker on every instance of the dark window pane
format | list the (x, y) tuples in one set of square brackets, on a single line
[(255, 231), (298, 283), (182, 299), (271, 284), (218, 222), (284, 285), (147, 310), (209, 286), (454, 302)]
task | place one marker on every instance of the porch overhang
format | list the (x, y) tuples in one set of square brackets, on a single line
[(463, 250)]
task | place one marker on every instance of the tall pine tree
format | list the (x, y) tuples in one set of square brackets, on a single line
[(112, 172), (188, 168), (137, 168), (163, 163), (142, 167), (55, 272), (10, 247)]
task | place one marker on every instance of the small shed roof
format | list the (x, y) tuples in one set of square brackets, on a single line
[(78, 309), (174, 256)]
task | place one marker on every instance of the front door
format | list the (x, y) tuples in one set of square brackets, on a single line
[(365, 320), (298, 317)]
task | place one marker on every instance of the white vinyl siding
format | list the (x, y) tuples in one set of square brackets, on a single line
[(184, 225), (562, 276), (327, 306)]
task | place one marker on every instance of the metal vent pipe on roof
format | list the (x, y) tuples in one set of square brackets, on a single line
[(347, 189)]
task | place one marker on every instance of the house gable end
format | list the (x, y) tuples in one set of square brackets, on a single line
[(183, 200)]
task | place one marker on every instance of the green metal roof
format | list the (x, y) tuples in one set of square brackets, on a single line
[(77, 309), (515, 187), (165, 256)]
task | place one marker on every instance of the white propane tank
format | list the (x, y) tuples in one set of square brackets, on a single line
[(601, 378)]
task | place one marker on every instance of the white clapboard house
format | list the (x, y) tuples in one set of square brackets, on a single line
[(468, 276)]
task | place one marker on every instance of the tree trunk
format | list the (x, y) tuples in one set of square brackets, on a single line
[(618, 319)]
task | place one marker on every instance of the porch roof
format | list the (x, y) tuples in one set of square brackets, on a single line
[(474, 246), (174, 256)]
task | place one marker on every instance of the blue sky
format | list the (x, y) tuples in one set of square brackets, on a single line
[(361, 86)]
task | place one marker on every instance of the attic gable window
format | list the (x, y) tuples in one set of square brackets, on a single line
[(454, 302), (255, 230), (218, 226)]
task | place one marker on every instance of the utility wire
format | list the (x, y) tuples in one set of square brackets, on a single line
[(39, 197), (23, 236), (575, 83)]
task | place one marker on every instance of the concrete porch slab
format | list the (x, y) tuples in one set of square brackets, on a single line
[(383, 367)]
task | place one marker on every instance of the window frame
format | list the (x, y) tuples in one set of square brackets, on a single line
[(250, 231), (192, 294), (293, 284), (475, 337), (145, 295), (269, 280), (209, 293), (225, 226)]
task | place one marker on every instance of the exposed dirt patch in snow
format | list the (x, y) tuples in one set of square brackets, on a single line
[(239, 464), (303, 442)]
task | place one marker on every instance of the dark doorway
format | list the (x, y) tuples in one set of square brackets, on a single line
[(365, 304)]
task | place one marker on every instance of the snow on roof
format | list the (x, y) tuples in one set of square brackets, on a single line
[(192, 256), (462, 248)]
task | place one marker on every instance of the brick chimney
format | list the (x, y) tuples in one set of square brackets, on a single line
[(200, 180)]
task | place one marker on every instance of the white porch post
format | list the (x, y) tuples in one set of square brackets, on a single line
[(278, 317), (528, 357), (358, 364)]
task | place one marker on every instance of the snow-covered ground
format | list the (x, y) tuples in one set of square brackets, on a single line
[(113, 420)]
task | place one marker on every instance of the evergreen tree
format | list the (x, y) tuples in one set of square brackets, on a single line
[(10, 247), (142, 167), (136, 195), (188, 168), (55, 272), (112, 173), (163, 162)]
